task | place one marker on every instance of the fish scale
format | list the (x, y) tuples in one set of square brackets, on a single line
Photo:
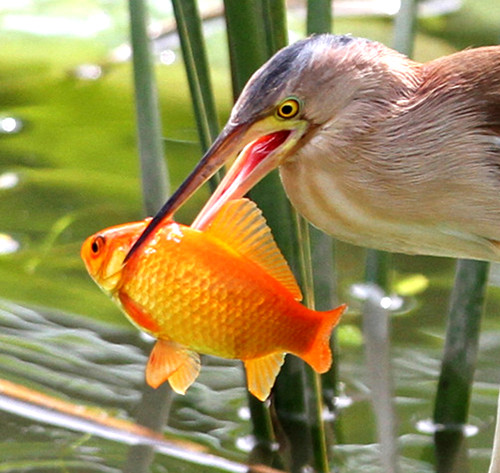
[(183, 314)]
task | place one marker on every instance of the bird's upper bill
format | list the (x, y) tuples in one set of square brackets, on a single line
[(258, 147)]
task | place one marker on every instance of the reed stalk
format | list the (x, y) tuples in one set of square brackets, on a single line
[(404, 27), (189, 29), (249, 49), (376, 319), (274, 21), (155, 187), (376, 330), (313, 391), (459, 361), (256, 29), (247, 42), (319, 16), (319, 20), (458, 364), (154, 407)]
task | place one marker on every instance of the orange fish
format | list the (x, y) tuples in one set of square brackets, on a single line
[(225, 291)]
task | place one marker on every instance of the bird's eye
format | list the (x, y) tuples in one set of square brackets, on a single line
[(98, 244), (289, 108)]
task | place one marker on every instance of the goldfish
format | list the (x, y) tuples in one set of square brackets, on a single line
[(225, 290)]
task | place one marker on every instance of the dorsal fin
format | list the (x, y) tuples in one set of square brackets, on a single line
[(240, 224)]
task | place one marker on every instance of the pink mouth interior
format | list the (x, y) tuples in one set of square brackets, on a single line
[(257, 152), (235, 184), (264, 146)]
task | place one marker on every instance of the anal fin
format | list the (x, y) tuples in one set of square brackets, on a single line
[(173, 362), (261, 374)]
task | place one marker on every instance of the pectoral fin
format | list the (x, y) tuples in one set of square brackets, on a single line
[(173, 362), (261, 374)]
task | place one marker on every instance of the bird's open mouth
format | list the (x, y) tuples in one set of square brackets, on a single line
[(252, 155), (251, 165)]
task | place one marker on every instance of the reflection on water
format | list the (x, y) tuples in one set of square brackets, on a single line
[(427, 426), (10, 125), (75, 365), (92, 364), (8, 180), (88, 71), (8, 244)]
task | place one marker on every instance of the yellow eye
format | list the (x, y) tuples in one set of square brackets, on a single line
[(289, 108)]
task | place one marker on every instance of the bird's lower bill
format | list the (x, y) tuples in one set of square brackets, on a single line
[(254, 162)]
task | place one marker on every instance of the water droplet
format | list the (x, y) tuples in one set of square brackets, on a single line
[(88, 71), (386, 302), (8, 180), (373, 293), (246, 443), (392, 302), (341, 402), (427, 426), (10, 125), (121, 53), (244, 413), (167, 57), (8, 244)]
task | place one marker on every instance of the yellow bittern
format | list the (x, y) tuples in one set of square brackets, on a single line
[(372, 147)]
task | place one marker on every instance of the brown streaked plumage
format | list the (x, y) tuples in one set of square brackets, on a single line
[(372, 147)]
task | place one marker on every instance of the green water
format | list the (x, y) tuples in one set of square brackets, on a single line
[(72, 169)]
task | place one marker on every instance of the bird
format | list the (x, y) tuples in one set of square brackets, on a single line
[(372, 147)]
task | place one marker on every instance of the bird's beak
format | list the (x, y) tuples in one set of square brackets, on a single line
[(263, 151), (264, 146)]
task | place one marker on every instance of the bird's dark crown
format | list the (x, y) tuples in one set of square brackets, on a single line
[(269, 82)]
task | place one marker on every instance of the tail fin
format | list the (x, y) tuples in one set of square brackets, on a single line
[(319, 355)]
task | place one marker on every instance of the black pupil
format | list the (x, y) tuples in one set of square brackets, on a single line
[(287, 109), (95, 246)]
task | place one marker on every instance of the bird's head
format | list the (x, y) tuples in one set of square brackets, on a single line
[(285, 103)]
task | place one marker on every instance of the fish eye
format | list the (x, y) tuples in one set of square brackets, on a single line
[(289, 108), (98, 244)]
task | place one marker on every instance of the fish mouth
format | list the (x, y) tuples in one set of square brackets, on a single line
[(103, 253)]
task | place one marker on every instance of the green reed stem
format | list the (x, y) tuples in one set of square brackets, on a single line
[(376, 320), (314, 405), (458, 365), (155, 189), (377, 270), (248, 50), (246, 38), (404, 27), (155, 186), (255, 30), (189, 28), (319, 20), (460, 350), (319, 16), (275, 30), (376, 329)]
